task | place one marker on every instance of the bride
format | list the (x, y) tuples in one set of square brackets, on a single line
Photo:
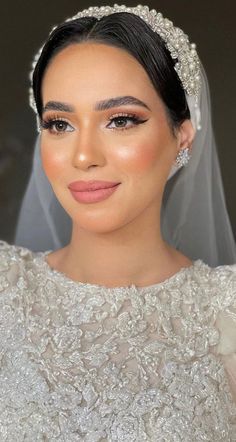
[(118, 335)]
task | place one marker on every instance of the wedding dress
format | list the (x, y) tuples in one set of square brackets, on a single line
[(83, 362)]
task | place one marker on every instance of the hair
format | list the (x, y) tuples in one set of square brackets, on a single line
[(128, 32)]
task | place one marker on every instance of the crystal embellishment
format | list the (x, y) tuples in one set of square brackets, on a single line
[(177, 42), (183, 157)]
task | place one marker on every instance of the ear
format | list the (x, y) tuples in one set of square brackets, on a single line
[(186, 134)]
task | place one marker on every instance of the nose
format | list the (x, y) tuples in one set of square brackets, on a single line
[(88, 150)]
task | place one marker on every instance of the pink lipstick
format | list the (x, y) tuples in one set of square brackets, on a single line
[(92, 191)]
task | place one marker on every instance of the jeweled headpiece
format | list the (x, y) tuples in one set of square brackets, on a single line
[(177, 42)]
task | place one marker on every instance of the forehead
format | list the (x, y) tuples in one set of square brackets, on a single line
[(95, 69)]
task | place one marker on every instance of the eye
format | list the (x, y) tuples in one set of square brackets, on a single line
[(121, 121), (56, 125)]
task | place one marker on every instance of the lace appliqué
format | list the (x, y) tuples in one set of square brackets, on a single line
[(81, 362)]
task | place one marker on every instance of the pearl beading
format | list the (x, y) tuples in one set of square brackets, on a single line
[(177, 42)]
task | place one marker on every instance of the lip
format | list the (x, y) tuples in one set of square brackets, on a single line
[(85, 186), (98, 190)]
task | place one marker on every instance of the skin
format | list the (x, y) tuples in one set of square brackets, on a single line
[(117, 241)]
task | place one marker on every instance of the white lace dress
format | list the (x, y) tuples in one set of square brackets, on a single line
[(83, 362)]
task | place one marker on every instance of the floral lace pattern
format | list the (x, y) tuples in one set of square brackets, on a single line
[(82, 362)]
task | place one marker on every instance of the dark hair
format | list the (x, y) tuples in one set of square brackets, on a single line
[(129, 32)]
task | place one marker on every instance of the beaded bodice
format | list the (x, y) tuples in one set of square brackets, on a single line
[(82, 362)]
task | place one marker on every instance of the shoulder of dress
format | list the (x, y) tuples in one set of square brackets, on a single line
[(223, 271), (212, 286), (13, 260), (9, 251), (4, 246), (16, 274), (224, 278), (6, 252), (219, 282)]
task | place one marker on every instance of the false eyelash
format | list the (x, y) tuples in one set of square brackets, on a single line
[(49, 122), (136, 120)]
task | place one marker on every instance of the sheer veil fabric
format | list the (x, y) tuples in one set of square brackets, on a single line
[(194, 216)]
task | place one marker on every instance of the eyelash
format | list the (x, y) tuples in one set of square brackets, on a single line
[(132, 117), (50, 122)]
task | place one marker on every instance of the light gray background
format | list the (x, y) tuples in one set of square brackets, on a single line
[(25, 25)]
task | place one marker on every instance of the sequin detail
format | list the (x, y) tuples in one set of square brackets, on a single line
[(81, 362)]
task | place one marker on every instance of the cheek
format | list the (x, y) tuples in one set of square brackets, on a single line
[(53, 162), (145, 157), (139, 158)]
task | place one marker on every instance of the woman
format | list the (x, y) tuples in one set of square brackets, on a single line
[(118, 335)]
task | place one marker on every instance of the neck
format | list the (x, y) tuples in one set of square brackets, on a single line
[(135, 254)]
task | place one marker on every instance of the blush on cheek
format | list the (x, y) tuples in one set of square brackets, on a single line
[(139, 159), (53, 164)]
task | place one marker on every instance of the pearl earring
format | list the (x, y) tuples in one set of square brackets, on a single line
[(183, 157)]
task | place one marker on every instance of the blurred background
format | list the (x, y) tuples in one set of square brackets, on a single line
[(24, 27)]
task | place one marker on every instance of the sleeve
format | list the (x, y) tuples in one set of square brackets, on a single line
[(226, 324)]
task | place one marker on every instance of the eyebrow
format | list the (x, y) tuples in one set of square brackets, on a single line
[(99, 106)]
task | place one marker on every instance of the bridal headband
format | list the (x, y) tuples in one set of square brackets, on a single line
[(187, 63)]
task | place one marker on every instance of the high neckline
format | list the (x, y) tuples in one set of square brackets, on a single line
[(64, 279)]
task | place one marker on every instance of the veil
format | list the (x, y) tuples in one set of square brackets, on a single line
[(194, 217)]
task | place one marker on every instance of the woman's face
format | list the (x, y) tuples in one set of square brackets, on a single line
[(83, 139)]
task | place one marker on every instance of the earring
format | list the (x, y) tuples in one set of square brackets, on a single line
[(183, 157)]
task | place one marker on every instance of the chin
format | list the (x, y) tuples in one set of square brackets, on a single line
[(95, 225), (101, 218)]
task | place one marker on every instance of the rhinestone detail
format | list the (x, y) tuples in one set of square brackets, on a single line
[(183, 157), (177, 42)]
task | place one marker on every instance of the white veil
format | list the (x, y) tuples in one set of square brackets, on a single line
[(194, 216)]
